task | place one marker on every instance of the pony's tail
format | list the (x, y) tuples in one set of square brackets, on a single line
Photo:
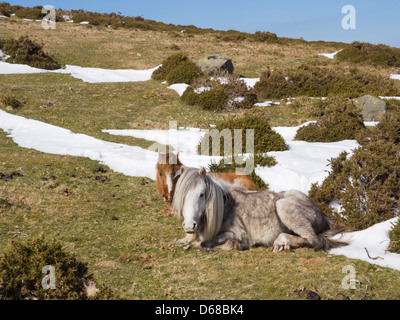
[(325, 238)]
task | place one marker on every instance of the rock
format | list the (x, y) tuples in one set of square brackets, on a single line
[(372, 108), (215, 62)]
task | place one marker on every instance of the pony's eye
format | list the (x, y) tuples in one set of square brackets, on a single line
[(160, 174), (202, 195)]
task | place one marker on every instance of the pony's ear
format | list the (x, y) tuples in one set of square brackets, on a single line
[(178, 162), (182, 170), (202, 173)]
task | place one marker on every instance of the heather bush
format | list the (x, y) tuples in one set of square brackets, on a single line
[(319, 79), (394, 235), (185, 72), (25, 51), (21, 273), (9, 100), (177, 68), (367, 53), (5, 9), (341, 121), (222, 91), (214, 99), (265, 138), (367, 184), (265, 36), (30, 13)]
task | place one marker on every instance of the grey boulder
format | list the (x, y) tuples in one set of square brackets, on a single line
[(372, 108), (215, 62)]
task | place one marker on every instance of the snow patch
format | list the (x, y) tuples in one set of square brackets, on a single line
[(179, 88), (330, 55), (91, 75), (376, 240)]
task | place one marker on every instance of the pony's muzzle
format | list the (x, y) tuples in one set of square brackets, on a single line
[(191, 229)]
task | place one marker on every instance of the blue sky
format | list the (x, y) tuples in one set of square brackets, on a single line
[(376, 21)]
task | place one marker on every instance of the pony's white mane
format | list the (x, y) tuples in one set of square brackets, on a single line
[(215, 192)]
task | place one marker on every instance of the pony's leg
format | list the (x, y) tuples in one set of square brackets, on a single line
[(287, 241), (231, 245), (190, 237), (223, 241), (291, 214)]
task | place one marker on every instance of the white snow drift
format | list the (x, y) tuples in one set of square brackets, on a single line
[(91, 75), (330, 55)]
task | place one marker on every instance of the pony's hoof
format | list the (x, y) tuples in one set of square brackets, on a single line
[(277, 248), (205, 249), (181, 242), (281, 247), (206, 246)]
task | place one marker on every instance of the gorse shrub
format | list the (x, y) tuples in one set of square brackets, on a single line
[(25, 51), (265, 138), (30, 13), (265, 36), (377, 55), (21, 273), (9, 100), (168, 65), (317, 79), (258, 36), (177, 68), (222, 91), (394, 236), (5, 9), (367, 184), (185, 72), (341, 121), (214, 99)]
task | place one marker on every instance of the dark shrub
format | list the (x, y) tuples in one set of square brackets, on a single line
[(222, 91), (21, 273), (215, 99), (394, 235), (342, 121), (25, 51), (232, 35), (190, 97), (265, 139), (249, 99), (377, 55), (367, 184), (177, 68), (5, 9), (317, 79), (11, 101), (34, 13), (263, 36), (185, 72)]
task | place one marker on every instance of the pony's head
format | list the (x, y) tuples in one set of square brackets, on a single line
[(168, 166), (200, 200)]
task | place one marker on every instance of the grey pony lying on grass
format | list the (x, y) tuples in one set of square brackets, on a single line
[(226, 216)]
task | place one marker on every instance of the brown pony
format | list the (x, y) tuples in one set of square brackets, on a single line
[(168, 168)]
